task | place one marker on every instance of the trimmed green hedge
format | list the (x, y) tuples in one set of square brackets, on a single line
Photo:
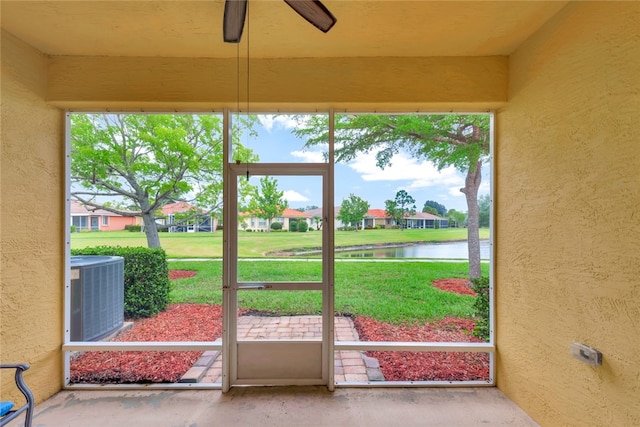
[(146, 278), (276, 226)]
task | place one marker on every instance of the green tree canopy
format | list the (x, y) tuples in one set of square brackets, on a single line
[(353, 210), (440, 210), (148, 160), (455, 217), (401, 207), (429, 209), (268, 202), (459, 140)]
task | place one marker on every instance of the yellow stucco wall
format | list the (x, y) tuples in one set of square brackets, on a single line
[(568, 206), (32, 223), (301, 84)]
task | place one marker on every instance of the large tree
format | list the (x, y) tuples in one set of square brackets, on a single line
[(146, 161), (353, 210), (268, 202), (446, 140), (399, 208)]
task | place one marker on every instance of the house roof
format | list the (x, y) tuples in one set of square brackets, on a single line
[(377, 213), (177, 207), (287, 213), (424, 215), (318, 211), (292, 213), (371, 213)]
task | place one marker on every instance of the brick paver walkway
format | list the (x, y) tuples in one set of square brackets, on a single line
[(350, 366)]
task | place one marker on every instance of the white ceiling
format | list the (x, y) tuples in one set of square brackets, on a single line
[(366, 28)]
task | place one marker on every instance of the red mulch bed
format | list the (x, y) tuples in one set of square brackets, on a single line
[(425, 366), (458, 286), (200, 322), (181, 274), (179, 322)]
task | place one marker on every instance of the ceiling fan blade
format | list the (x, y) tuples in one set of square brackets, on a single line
[(314, 12), (235, 12)]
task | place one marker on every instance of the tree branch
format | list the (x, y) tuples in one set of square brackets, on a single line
[(97, 206)]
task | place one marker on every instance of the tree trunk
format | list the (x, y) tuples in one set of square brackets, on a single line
[(470, 190), (151, 230)]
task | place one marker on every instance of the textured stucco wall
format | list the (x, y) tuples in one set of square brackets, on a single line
[(279, 84), (568, 206), (31, 224)]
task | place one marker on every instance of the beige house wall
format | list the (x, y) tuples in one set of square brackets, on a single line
[(568, 206), (32, 222)]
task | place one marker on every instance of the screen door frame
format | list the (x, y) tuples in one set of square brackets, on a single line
[(276, 362)]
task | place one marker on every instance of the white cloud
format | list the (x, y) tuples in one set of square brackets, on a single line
[(294, 196), (421, 174), (455, 191), (277, 121), (309, 156)]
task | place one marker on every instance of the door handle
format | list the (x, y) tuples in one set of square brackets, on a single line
[(256, 287)]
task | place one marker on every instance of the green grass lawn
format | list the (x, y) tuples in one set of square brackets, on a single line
[(393, 292), (209, 245)]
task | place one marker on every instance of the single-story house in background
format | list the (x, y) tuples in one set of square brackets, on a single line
[(87, 218), (377, 218), (316, 215), (426, 220), (181, 217), (252, 222)]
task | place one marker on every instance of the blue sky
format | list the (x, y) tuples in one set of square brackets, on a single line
[(419, 178)]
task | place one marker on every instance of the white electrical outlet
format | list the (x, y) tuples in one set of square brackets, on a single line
[(586, 354)]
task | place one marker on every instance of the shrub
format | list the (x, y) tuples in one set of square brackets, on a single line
[(481, 308), (293, 225), (303, 226), (73, 228), (133, 228), (146, 277), (276, 226)]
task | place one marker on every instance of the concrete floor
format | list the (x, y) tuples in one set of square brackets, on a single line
[(282, 406)]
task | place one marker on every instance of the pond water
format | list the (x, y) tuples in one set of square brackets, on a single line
[(447, 250)]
